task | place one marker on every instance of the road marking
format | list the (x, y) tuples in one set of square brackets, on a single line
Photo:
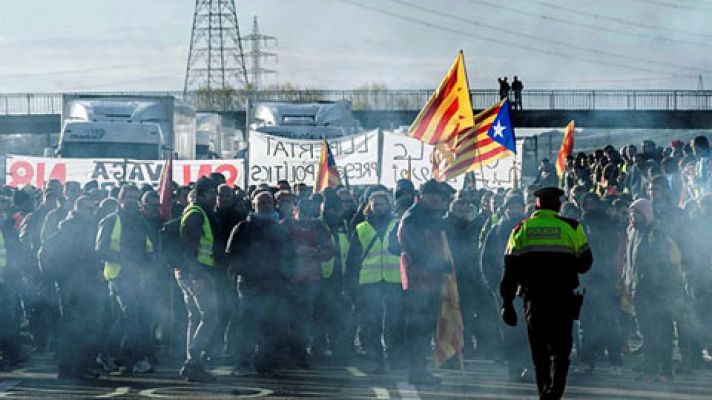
[(356, 372), (7, 385), (407, 391), (381, 393), (119, 391)]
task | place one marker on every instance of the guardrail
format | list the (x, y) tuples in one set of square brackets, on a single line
[(394, 100)]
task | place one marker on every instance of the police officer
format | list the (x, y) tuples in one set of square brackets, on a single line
[(544, 256)]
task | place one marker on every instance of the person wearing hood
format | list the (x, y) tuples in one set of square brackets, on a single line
[(514, 339), (68, 257), (124, 243), (374, 280), (260, 252), (653, 272), (196, 276), (600, 316)]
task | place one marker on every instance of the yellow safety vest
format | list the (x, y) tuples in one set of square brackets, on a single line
[(544, 231), (206, 255), (378, 265), (111, 269), (327, 267), (3, 252)]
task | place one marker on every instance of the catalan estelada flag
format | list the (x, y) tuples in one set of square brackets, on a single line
[(448, 111), (328, 175), (491, 138), (567, 146), (449, 336), (165, 189)]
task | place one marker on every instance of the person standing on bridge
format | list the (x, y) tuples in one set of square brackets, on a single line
[(503, 88), (517, 87), (543, 259)]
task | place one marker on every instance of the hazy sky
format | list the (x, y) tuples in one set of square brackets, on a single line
[(50, 45)]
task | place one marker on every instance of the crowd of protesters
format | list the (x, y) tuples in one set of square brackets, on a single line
[(277, 276)]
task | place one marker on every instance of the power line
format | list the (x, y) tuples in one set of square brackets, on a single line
[(491, 39), (585, 25), (672, 5), (550, 41), (618, 20)]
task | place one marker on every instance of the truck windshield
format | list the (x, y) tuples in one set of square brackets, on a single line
[(134, 151)]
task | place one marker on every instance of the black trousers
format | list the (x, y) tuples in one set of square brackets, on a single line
[(550, 325), (421, 308)]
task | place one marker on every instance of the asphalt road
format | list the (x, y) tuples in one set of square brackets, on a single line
[(482, 380)]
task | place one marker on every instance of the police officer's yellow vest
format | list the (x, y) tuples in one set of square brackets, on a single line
[(544, 231), (327, 267), (111, 269), (3, 252), (378, 265), (206, 254)]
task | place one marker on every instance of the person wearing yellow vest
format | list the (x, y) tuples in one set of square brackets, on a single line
[(124, 245), (544, 256), (196, 277), (374, 278), (333, 313)]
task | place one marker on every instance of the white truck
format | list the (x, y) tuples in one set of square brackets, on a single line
[(304, 120), (134, 127)]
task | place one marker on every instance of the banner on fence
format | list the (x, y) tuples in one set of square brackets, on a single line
[(35, 171), (273, 158)]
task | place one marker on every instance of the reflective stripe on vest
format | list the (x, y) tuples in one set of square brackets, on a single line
[(111, 269), (205, 249), (378, 265), (3, 252), (327, 267), (545, 232)]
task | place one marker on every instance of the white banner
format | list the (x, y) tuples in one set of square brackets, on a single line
[(397, 147), (273, 158), (35, 171)]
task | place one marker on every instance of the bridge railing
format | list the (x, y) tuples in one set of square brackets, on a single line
[(395, 100)]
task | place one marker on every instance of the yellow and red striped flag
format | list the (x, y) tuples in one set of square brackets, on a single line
[(449, 109), (491, 138), (567, 146), (328, 175), (449, 336)]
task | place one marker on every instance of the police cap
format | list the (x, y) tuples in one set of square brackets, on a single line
[(549, 192)]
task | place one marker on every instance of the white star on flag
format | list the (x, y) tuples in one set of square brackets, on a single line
[(498, 129)]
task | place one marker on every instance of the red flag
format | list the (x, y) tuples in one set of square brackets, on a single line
[(328, 175), (165, 189), (567, 146)]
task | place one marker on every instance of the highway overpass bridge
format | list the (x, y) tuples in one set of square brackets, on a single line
[(39, 113)]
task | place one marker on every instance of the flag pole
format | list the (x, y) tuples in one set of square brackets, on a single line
[(477, 148), (409, 174)]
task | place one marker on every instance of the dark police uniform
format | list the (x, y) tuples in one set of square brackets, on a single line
[(544, 256)]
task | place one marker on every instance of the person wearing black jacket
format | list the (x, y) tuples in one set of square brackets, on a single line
[(259, 251), (196, 276), (420, 236), (514, 339), (124, 244), (68, 256)]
